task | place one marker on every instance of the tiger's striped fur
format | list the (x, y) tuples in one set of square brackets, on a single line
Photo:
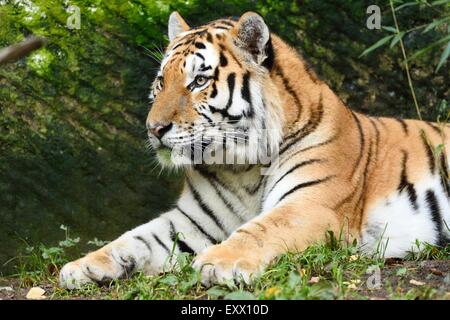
[(378, 180)]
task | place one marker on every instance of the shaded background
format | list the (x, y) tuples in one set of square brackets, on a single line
[(72, 134)]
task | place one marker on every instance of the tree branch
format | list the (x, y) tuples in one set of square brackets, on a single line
[(20, 50)]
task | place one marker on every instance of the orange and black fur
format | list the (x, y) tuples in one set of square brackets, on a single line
[(382, 181)]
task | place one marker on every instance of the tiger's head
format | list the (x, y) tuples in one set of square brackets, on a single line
[(213, 99)]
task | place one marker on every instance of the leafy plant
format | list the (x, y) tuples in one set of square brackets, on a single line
[(440, 26)]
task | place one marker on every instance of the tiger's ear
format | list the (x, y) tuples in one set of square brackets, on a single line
[(177, 25), (252, 34)]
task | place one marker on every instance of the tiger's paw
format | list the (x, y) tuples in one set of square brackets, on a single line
[(97, 267), (220, 264), (72, 276)]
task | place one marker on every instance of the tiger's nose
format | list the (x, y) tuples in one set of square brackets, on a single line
[(159, 130)]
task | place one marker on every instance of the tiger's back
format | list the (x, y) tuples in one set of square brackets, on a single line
[(386, 178)]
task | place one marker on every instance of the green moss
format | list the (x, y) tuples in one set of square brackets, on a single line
[(40, 61)]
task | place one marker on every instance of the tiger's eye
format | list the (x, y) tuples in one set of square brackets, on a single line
[(159, 83), (200, 81)]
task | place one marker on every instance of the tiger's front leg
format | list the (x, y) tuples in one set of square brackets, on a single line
[(146, 248), (245, 254)]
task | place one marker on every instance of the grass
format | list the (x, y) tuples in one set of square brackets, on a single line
[(330, 270)]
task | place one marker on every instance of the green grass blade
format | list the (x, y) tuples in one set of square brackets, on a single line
[(444, 57), (396, 39), (428, 48), (435, 24), (439, 2), (390, 29), (408, 4), (378, 44)]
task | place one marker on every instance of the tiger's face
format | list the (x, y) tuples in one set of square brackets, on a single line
[(208, 99)]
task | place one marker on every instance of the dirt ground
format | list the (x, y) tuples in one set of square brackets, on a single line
[(11, 290), (398, 277)]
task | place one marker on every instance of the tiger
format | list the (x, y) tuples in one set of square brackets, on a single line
[(230, 84)]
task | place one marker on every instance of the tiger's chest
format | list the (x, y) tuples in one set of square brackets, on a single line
[(238, 194)]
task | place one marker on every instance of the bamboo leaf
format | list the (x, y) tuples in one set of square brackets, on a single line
[(396, 39), (428, 48), (378, 44), (390, 29), (435, 23), (408, 4), (444, 57), (439, 2)]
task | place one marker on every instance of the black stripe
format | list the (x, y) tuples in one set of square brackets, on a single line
[(304, 185), (227, 203), (226, 22), (182, 246), (259, 242), (203, 68), (429, 152), (310, 71), (308, 128), (216, 74), (362, 142), (406, 185), (403, 124), (298, 165), (206, 234), (177, 46), (204, 207), (127, 266), (324, 143), (199, 33), (256, 187), (209, 37), (223, 60), (214, 91), (245, 91), (261, 226), (347, 199), (445, 182), (246, 95), (292, 93), (160, 242), (434, 127), (199, 45), (270, 56), (212, 175), (363, 195), (231, 80), (205, 116), (377, 136), (435, 211), (145, 242), (380, 120), (225, 114), (231, 54), (200, 56)]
